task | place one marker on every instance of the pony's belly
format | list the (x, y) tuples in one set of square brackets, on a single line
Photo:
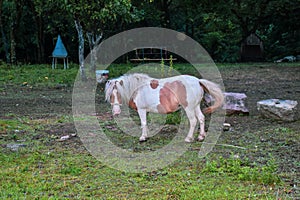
[(162, 111), (162, 108), (148, 104)]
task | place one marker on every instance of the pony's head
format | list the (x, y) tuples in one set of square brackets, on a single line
[(113, 96), (121, 89)]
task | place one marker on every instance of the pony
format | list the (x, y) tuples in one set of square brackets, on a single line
[(146, 94)]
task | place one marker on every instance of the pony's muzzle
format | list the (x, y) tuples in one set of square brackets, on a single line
[(116, 110)]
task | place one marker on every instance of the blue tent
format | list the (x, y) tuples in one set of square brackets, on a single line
[(59, 52)]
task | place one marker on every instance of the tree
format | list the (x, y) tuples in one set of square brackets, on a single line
[(49, 17), (164, 6), (249, 14), (14, 10), (37, 9), (4, 37), (282, 29), (80, 49), (93, 16), (276, 21), (28, 27)]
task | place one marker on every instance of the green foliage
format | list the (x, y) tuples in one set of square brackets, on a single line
[(100, 15), (171, 66), (218, 26), (13, 127), (71, 169), (162, 68), (174, 118), (244, 170)]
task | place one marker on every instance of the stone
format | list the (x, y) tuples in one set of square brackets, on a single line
[(235, 103), (15, 147), (66, 137), (226, 126), (282, 110), (287, 59)]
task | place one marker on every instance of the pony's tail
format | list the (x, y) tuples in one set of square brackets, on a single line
[(215, 91)]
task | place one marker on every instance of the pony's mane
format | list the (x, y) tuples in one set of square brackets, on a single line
[(130, 82)]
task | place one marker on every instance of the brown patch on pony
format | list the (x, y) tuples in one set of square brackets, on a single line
[(119, 98), (131, 102), (112, 96), (154, 84), (171, 96)]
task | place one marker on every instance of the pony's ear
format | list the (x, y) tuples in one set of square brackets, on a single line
[(107, 84), (121, 82)]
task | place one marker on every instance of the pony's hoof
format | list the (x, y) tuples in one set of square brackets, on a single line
[(143, 139), (200, 138), (189, 140)]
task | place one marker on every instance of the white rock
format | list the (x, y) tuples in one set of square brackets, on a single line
[(64, 138), (235, 103), (15, 147), (226, 126), (283, 110)]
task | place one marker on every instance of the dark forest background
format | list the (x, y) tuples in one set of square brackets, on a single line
[(29, 28)]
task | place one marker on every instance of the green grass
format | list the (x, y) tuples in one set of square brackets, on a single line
[(36, 75), (44, 76), (61, 171)]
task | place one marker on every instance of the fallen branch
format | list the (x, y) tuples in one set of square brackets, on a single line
[(226, 145)]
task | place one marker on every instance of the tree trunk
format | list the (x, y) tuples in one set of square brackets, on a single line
[(13, 54), (41, 40), (4, 39), (94, 40), (5, 44), (165, 17), (13, 32), (39, 34), (81, 50)]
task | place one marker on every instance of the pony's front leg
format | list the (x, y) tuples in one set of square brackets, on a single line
[(143, 117)]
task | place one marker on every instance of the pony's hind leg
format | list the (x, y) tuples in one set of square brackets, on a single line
[(193, 122), (143, 117), (201, 120)]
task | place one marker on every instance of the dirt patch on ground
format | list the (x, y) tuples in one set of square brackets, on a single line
[(36, 102), (261, 137)]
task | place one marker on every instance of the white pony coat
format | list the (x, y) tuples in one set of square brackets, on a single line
[(146, 94)]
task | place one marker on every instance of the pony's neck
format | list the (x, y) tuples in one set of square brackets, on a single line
[(131, 83)]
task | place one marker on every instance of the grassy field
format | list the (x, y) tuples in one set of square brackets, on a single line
[(36, 164)]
